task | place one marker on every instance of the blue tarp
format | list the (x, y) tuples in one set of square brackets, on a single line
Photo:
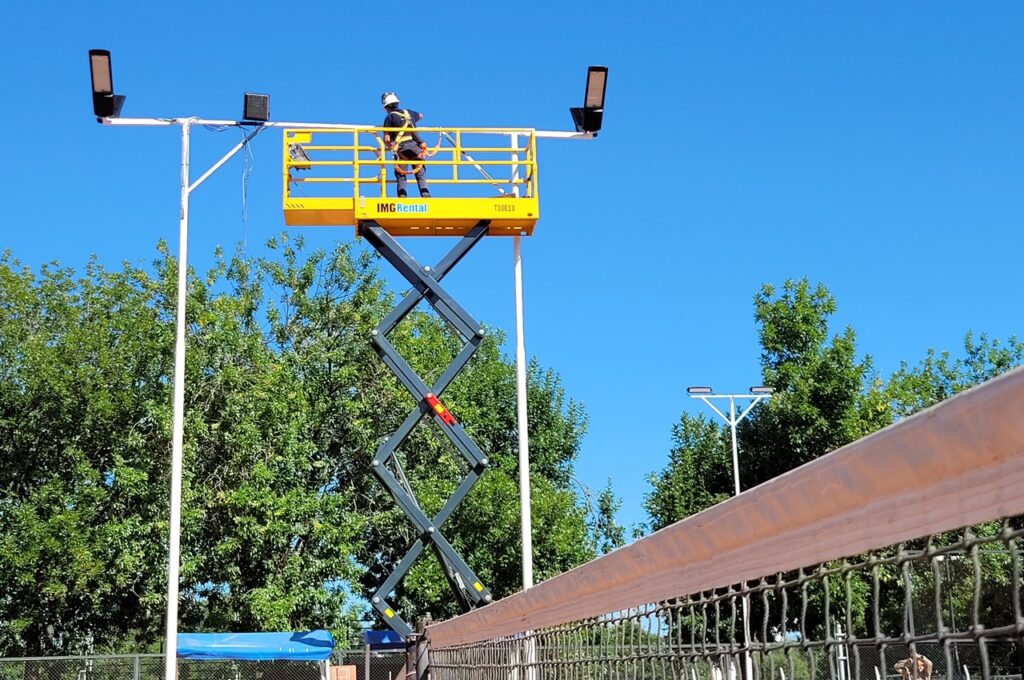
[(383, 639), (315, 645)]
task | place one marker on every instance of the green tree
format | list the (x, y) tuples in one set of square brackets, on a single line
[(283, 525), (698, 474), (606, 533), (84, 404), (825, 396), (270, 526), (940, 375)]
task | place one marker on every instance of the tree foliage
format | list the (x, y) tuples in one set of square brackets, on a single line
[(826, 395), (940, 375), (698, 474), (283, 526), (606, 533)]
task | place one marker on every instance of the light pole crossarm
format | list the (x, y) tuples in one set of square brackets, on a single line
[(714, 408), (157, 122), (540, 134), (560, 134), (758, 399), (755, 399)]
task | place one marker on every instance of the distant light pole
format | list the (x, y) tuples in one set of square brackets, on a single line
[(755, 396)]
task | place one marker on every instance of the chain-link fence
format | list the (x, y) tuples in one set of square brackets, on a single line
[(382, 666), (117, 667), (852, 619)]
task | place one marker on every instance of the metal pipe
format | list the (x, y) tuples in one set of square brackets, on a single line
[(178, 425), (526, 528)]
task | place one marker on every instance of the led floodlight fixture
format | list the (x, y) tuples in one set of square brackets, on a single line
[(597, 80), (105, 104), (256, 107), (588, 117)]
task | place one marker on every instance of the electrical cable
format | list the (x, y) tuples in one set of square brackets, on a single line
[(248, 163)]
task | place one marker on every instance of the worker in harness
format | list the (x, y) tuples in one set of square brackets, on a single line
[(915, 667), (405, 144)]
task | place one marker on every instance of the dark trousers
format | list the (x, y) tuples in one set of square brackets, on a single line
[(410, 151)]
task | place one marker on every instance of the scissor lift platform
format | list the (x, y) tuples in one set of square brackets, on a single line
[(344, 178)]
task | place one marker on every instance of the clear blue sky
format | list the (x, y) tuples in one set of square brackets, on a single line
[(874, 146)]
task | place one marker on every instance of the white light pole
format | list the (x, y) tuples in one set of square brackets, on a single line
[(588, 122), (107, 108), (755, 396), (588, 119), (178, 418)]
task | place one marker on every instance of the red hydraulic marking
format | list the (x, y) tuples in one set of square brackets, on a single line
[(440, 410)]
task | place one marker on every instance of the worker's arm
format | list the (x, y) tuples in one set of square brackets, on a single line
[(387, 135)]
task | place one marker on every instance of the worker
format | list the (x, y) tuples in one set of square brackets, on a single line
[(914, 667), (405, 144)]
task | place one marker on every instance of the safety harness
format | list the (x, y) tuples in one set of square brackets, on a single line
[(402, 137)]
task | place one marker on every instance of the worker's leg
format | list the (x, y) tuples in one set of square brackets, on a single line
[(421, 181), (400, 181), (412, 153)]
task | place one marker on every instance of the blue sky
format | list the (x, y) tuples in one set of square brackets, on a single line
[(872, 146)]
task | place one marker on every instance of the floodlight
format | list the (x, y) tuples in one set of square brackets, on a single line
[(699, 390), (761, 389), (105, 104), (588, 118), (256, 107), (597, 80)]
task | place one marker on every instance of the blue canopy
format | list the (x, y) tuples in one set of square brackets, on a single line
[(315, 645)]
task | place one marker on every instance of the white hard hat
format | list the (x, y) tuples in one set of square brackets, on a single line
[(388, 98)]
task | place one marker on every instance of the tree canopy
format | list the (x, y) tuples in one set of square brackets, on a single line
[(283, 526), (826, 395)]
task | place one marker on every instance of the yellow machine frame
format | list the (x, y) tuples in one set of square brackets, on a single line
[(336, 161)]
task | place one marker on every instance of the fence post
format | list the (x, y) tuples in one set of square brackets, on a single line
[(410, 656), (422, 648), (136, 667)]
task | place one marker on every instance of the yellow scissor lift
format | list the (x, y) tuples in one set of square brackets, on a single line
[(483, 182), (343, 178)]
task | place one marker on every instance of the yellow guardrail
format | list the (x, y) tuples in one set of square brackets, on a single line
[(343, 177), (460, 157)]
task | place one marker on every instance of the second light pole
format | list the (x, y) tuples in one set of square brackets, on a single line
[(755, 396)]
